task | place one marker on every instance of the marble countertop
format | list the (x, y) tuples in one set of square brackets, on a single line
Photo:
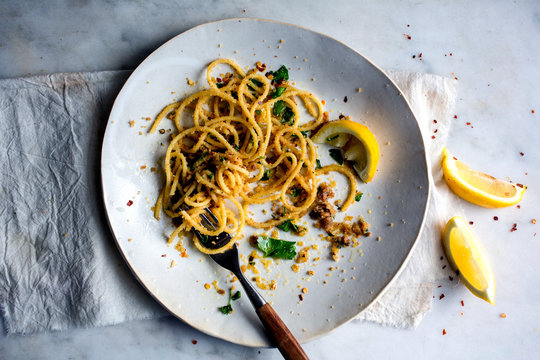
[(491, 47)]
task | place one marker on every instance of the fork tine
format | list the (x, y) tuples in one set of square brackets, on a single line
[(208, 222), (212, 215)]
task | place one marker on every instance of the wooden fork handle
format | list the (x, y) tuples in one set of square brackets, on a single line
[(282, 336)]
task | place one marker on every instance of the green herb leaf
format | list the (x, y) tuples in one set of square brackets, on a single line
[(279, 107), (220, 85), (295, 192), (337, 155), (234, 94), (318, 164), (358, 196), (305, 133), (288, 116), (267, 175), (257, 82), (287, 226), (277, 92), (281, 74), (258, 112), (237, 147), (226, 310), (237, 295), (333, 137), (277, 248)]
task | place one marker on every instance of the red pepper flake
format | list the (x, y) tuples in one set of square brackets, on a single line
[(407, 36), (495, 218), (514, 228), (345, 99), (433, 136), (455, 158), (164, 255), (129, 203), (301, 297), (194, 342), (489, 84), (442, 296), (434, 121), (450, 54), (444, 331), (532, 111), (462, 303), (435, 131), (455, 116), (218, 80), (520, 185), (471, 222), (521, 154), (519, 206), (439, 286), (420, 56), (341, 116), (455, 77), (468, 123)]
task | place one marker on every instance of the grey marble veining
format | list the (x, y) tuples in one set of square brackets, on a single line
[(492, 47)]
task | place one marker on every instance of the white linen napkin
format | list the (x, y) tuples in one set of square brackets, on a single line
[(60, 267)]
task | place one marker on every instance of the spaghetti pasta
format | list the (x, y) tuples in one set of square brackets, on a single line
[(238, 144)]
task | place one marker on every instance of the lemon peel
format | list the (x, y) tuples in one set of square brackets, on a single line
[(358, 143), (466, 256), (477, 187)]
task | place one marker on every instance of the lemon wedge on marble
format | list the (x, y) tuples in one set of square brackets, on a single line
[(358, 144), (477, 187), (466, 256)]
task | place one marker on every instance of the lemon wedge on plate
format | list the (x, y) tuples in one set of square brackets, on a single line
[(477, 187), (466, 256), (358, 144)]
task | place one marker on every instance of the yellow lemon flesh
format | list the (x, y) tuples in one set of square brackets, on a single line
[(477, 187), (358, 143), (466, 256)]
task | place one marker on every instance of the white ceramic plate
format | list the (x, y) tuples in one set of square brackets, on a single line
[(331, 70)]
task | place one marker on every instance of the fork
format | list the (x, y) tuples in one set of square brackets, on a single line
[(276, 329)]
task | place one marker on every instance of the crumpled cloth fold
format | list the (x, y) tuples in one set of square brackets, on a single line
[(60, 265)]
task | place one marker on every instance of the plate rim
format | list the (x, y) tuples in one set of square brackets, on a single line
[(403, 264)]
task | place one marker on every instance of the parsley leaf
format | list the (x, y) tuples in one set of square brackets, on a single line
[(258, 112), (318, 164), (267, 175), (279, 107), (336, 155), (330, 138), (295, 192), (277, 92), (257, 82), (281, 74), (287, 226), (277, 248), (358, 196), (288, 116), (237, 295), (226, 310)]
